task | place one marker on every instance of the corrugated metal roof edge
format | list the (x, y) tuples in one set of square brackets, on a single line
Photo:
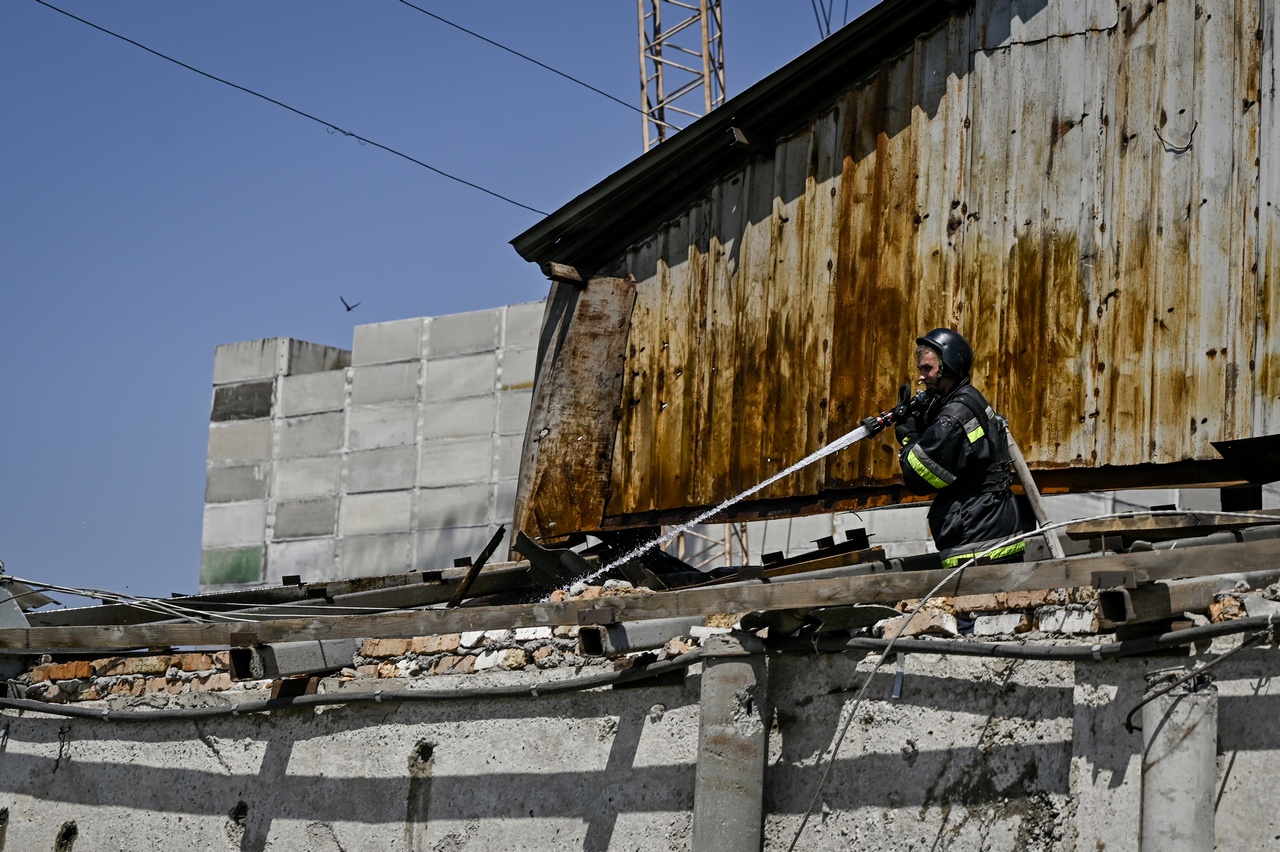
[(596, 225)]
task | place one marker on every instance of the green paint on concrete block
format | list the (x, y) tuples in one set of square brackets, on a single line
[(224, 567)]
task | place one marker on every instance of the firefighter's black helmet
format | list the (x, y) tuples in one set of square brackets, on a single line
[(954, 351)]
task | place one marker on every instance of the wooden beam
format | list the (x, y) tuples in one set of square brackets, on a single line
[(564, 272), (1163, 527), (874, 588)]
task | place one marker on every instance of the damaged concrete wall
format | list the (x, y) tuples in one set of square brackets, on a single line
[(974, 753)]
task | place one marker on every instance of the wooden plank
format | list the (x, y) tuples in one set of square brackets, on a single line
[(874, 588), (1160, 527)]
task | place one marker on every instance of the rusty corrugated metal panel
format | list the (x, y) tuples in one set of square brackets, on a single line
[(1072, 185), (568, 446)]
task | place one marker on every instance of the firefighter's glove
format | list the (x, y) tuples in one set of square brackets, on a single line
[(906, 431)]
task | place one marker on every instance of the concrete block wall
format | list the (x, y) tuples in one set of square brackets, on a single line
[(398, 455)]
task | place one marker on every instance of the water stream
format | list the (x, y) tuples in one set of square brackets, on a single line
[(838, 444)]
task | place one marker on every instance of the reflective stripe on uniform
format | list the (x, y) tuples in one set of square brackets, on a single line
[(928, 469), (996, 553), (973, 431)]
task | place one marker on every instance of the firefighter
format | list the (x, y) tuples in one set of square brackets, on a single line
[(957, 450)]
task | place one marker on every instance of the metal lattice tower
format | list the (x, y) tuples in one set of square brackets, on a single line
[(681, 63)]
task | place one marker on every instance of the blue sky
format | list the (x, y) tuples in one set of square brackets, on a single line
[(148, 214)]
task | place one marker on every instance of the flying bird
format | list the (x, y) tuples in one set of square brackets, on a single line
[(348, 307)]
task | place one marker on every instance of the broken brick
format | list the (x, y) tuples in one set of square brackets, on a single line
[(385, 647), (212, 683), (1032, 599), (454, 665), (195, 662), (980, 603), (446, 644), (1227, 609), (76, 670)]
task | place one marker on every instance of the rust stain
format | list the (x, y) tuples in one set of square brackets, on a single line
[(776, 312)]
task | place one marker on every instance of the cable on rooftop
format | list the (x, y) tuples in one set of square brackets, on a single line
[(330, 126)]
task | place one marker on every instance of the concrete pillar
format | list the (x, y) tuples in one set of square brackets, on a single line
[(733, 735), (1179, 765)]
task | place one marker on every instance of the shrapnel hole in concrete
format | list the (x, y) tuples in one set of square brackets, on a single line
[(420, 757), (66, 837), (239, 813)]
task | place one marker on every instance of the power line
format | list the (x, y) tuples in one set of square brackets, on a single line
[(330, 126), (522, 56)]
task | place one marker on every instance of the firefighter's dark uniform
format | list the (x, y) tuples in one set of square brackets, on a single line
[(958, 450)]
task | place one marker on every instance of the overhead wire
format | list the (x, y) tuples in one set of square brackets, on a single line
[(523, 56), (329, 125)]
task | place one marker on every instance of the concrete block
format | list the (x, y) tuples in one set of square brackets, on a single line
[(231, 566), (513, 411), (372, 427), (236, 484), (309, 435), (248, 440), (928, 621), (312, 393), (455, 462), (466, 375), (307, 477), (1001, 624), (1057, 619), (386, 342), (234, 524), (242, 401), (312, 559), (458, 418), (387, 469), (436, 549), (522, 324), (509, 448), (385, 383), (377, 513), (458, 334), (305, 518), (303, 357), (249, 359), (374, 555), (460, 505), (504, 502), (517, 369)]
